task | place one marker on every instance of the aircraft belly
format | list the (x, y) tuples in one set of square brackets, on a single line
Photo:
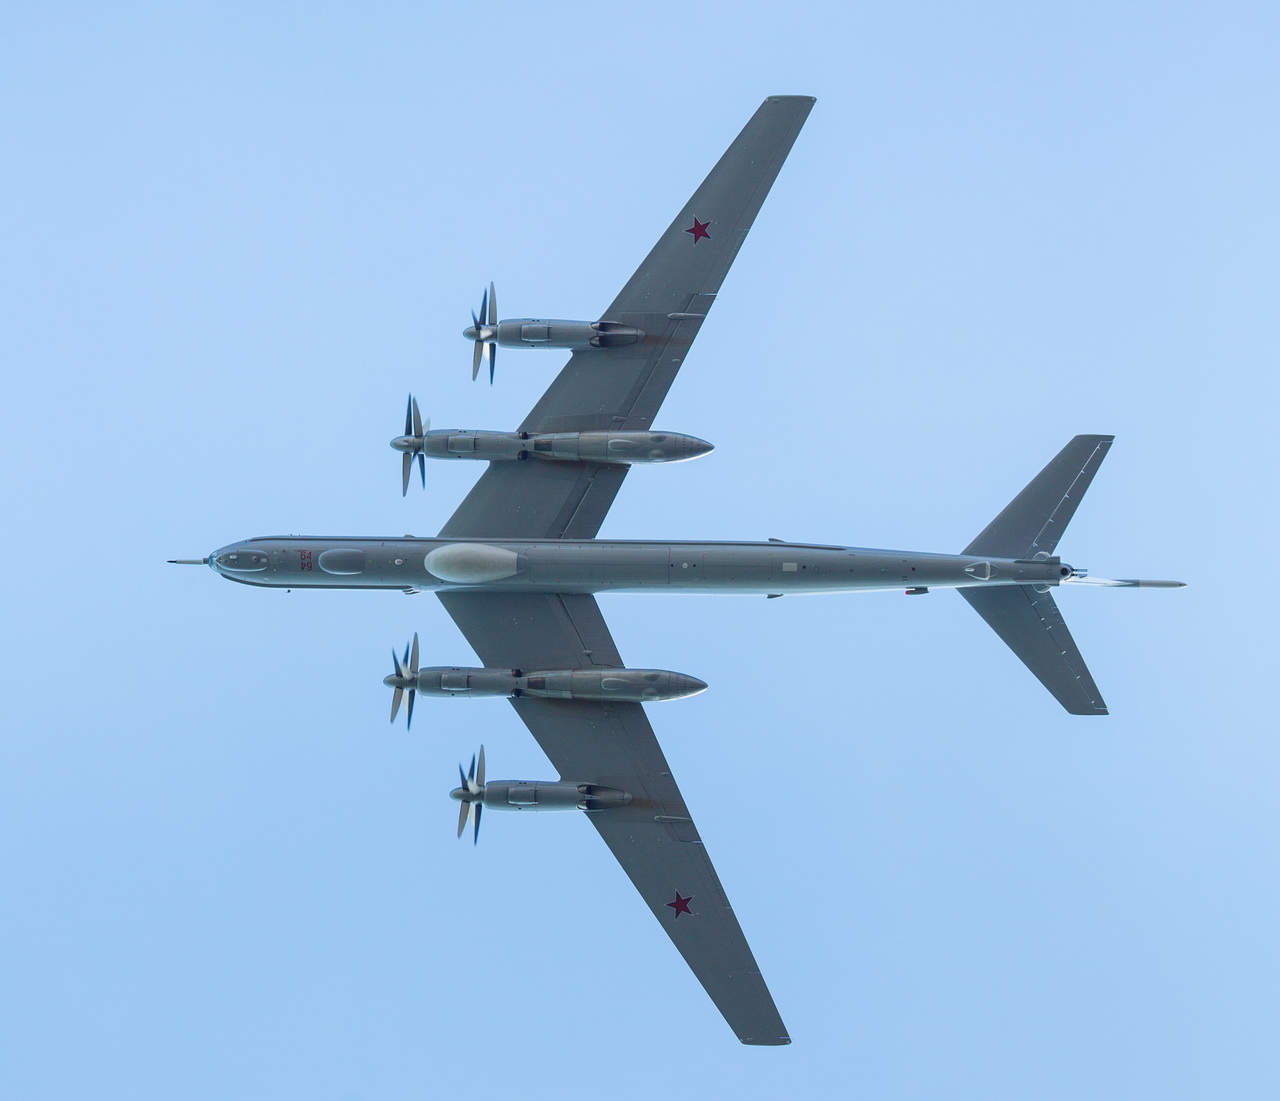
[(689, 567), (583, 567), (593, 566)]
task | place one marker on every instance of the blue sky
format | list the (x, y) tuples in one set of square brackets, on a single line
[(237, 235)]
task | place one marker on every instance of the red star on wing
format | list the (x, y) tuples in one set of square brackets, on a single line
[(699, 231), (681, 905)]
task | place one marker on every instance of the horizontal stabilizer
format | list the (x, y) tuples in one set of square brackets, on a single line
[(1036, 518), (1033, 628)]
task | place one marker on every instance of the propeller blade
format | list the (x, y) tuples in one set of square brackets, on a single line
[(395, 702), (485, 344), (478, 808), (410, 443), (408, 711), (462, 777), (464, 812), (413, 661), (471, 775), (480, 771)]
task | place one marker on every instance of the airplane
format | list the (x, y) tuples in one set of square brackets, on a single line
[(518, 566)]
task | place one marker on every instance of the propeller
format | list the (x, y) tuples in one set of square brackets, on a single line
[(412, 444), (404, 679), (471, 794), (484, 332)]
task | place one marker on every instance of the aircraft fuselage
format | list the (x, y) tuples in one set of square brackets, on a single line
[(598, 565)]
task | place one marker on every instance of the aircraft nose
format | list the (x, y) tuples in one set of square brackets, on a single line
[(240, 560)]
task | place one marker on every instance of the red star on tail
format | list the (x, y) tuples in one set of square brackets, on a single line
[(699, 231), (681, 905)]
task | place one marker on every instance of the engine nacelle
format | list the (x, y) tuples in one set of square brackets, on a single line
[(543, 795), (539, 332), (591, 447), (631, 685), (617, 447)]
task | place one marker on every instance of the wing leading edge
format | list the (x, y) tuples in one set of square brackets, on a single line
[(622, 388), (654, 837)]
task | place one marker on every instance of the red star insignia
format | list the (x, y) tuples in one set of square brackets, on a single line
[(681, 904), (699, 231)]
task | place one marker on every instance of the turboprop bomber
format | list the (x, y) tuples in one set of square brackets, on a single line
[(519, 566)]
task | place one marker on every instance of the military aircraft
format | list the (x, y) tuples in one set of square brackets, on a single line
[(518, 567)]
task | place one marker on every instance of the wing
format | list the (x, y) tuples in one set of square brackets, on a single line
[(622, 388), (653, 838)]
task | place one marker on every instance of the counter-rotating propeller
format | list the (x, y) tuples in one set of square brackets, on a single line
[(484, 332), (471, 794), (411, 444), (404, 679)]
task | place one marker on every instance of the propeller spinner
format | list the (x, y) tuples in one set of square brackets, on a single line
[(484, 332), (404, 679), (411, 444), (471, 795)]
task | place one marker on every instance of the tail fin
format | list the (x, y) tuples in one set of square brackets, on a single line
[(1029, 621)]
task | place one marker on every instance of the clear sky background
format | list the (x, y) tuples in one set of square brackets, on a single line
[(236, 235)]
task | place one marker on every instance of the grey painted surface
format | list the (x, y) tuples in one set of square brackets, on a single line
[(592, 566)]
